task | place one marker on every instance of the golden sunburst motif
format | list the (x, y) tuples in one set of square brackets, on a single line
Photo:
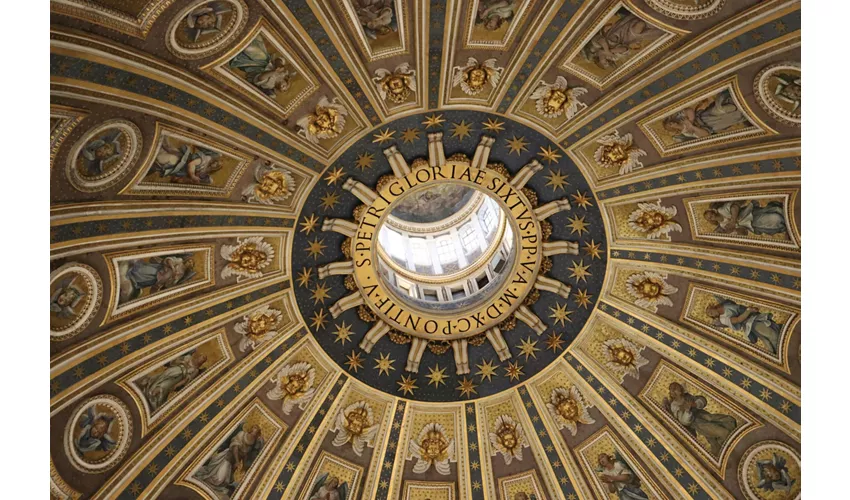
[(365, 161), (579, 271), (577, 225), (320, 293), (304, 277), (556, 180), (549, 154), (461, 130), (486, 370), (593, 249), (308, 224), (407, 385), (320, 317), (384, 364), (342, 333), (528, 348), (581, 200), (355, 362), (514, 371), (330, 200), (560, 314), (433, 120), (466, 388), (517, 145), (316, 248), (334, 175), (436, 375), (410, 135), (494, 126), (383, 136)]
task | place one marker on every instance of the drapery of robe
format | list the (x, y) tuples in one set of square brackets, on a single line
[(217, 473), (769, 219), (618, 39), (625, 491), (720, 115), (756, 326), (158, 388), (715, 427)]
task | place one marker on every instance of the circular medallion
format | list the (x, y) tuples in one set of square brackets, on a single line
[(104, 155), (448, 256), (770, 470), (98, 434), (75, 295), (778, 90), (687, 9), (205, 27)]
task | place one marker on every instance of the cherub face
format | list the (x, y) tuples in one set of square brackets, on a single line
[(616, 154), (567, 408), (295, 383), (260, 325), (67, 297), (104, 151), (396, 84), (99, 428), (622, 356), (650, 220), (507, 437), (433, 446), (272, 184), (324, 121), (557, 99), (206, 20), (356, 421), (476, 78)]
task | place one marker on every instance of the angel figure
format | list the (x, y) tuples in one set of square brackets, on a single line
[(206, 19), (95, 436), (507, 438), (621, 480), (432, 447), (492, 14), (743, 217), (270, 73), (377, 17), (710, 116), (224, 471), (474, 76), (689, 411), (272, 185), (66, 298), (554, 99), (294, 386), (177, 374), (773, 474), (328, 487), (396, 85), (326, 122), (619, 39), (355, 425), (101, 152), (155, 273), (746, 320), (186, 164)]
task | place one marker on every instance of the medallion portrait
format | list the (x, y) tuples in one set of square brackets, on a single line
[(76, 292), (778, 89), (770, 470), (205, 27), (104, 155), (98, 434)]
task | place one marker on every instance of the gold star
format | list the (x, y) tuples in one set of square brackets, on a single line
[(320, 293), (436, 375), (560, 314), (577, 225), (319, 319), (557, 180), (433, 121), (785, 407), (527, 347), (517, 145), (410, 135), (461, 130), (581, 199), (493, 125), (582, 298), (407, 385), (304, 277), (384, 364), (554, 342), (316, 247), (514, 371), (579, 271), (342, 333), (466, 388), (549, 154), (308, 225), (364, 161), (330, 200), (592, 249), (384, 136), (486, 370), (334, 175), (354, 361)]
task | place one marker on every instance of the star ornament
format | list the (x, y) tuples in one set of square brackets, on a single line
[(334, 175), (342, 333), (577, 225), (355, 362), (364, 161), (320, 293), (319, 319), (304, 277), (308, 225), (330, 200), (560, 314), (582, 298), (316, 248), (556, 180), (461, 130), (517, 145), (436, 375), (407, 385), (549, 154), (383, 136), (384, 364), (486, 370), (581, 200), (593, 249), (527, 348), (514, 371), (554, 342), (466, 388), (410, 135), (493, 125), (433, 121), (579, 271)]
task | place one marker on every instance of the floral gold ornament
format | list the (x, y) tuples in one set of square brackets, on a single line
[(432, 447), (395, 85), (650, 290), (618, 152), (271, 185), (326, 122), (624, 357), (293, 385), (473, 77), (569, 408), (247, 258), (355, 424), (654, 220), (555, 99), (258, 326), (507, 438)]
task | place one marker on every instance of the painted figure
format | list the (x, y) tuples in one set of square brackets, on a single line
[(690, 412), (618, 39), (186, 164), (376, 16), (710, 116), (747, 217), (749, 321), (270, 73), (224, 471), (178, 374), (66, 297), (492, 14), (521, 495), (328, 487), (206, 19), (619, 477), (773, 474), (95, 432), (155, 273), (99, 153)]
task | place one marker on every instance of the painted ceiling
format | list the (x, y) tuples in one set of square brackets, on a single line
[(214, 165)]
